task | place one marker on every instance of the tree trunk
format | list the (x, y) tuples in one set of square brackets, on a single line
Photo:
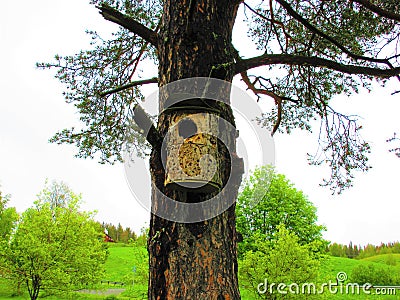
[(195, 260)]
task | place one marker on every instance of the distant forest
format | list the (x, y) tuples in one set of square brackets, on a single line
[(119, 234), (354, 251)]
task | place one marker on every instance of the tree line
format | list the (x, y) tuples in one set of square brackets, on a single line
[(118, 233), (360, 252)]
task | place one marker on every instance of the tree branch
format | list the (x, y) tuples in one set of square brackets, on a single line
[(127, 22), (144, 122), (313, 61), (272, 20), (314, 29), (278, 99), (129, 85), (379, 11)]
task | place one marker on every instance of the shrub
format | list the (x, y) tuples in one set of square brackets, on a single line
[(280, 260), (375, 274)]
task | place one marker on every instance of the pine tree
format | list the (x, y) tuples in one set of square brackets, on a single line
[(310, 51)]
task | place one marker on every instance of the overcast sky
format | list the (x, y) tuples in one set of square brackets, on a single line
[(32, 109)]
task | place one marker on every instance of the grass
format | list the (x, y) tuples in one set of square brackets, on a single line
[(119, 268), (129, 265), (329, 269), (389, 259), (124, 260), (333, 265)]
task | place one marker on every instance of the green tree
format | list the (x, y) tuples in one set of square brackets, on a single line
[(120, 232), (269, 199), (8, 221), (279, 260), (337, 250), (141, 240), (55, 248), (396, 247), (57, 194), (133, 237), (309, 51), (368, 251), (8, 218)]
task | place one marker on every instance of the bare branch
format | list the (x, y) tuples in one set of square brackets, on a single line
[(312, 61), (127, 22), (379, 11), (395, 92), (395, 150), (144, 122), (129, 85), (278, 99)]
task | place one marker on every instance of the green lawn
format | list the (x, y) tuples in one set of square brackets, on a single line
[(128, 264), (122, 260)]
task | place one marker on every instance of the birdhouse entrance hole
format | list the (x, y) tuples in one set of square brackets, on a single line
[(187, 128)]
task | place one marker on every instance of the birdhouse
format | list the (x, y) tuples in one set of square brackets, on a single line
[(192, 158)]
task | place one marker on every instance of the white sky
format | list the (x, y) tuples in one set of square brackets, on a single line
[(32, 109)]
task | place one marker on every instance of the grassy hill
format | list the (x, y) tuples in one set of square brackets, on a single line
[(128, 264), (388, 259)]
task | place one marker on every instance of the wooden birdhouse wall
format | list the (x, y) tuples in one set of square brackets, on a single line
[(193, 161)]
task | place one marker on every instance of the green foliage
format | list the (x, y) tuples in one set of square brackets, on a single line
[(268, 200), (309, 30), (141, 240), (55, 248), (57, 194), (8, 221), (369, 250), (388, 259), (122, 257), (8, 218), (280, 260), (354, 251), (109, 63), (120, 234), (391, 260), (375, 274), (339, 250), (336, 30)]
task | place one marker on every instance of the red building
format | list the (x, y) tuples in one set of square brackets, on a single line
[(108, 238)]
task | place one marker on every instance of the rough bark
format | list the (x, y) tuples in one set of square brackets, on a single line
[(194, 260)]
